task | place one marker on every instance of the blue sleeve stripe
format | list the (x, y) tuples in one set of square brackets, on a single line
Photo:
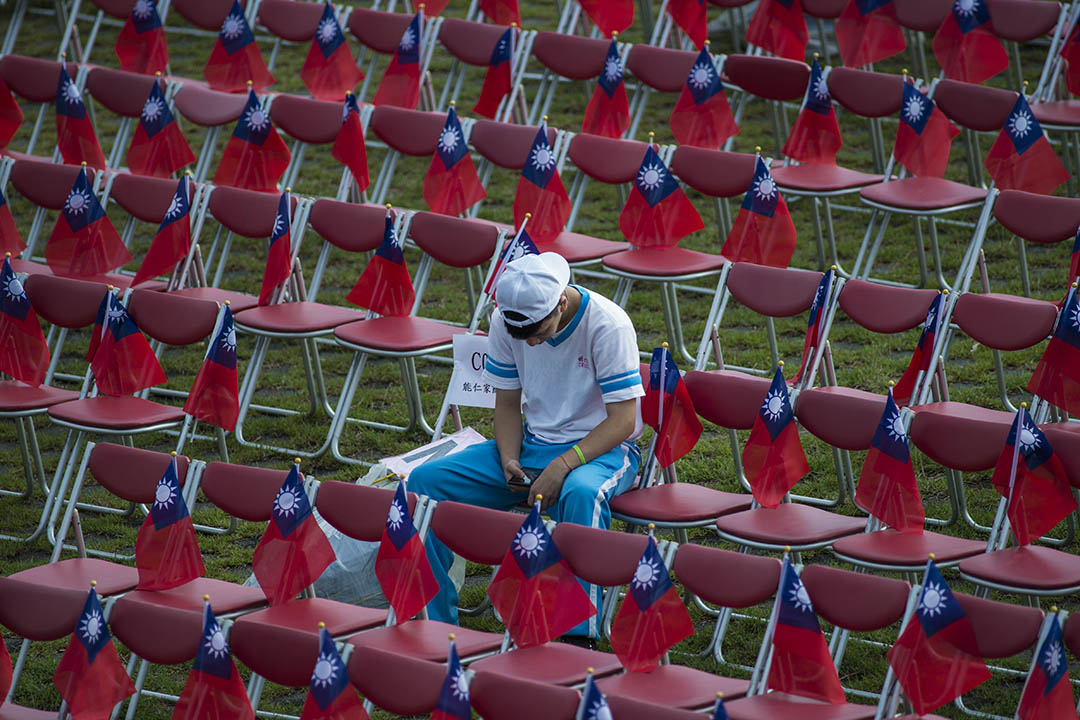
[(619, 385), (501, 372), (496, 363), (616, 377)]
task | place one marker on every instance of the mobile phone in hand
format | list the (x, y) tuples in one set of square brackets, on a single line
[(524, 482)]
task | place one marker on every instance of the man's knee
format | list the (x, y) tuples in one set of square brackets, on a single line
[(422, 479), (580, 502)]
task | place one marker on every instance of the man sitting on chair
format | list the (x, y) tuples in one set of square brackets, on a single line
[(568, 359)]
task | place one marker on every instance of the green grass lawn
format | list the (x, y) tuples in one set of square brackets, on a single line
[(862, 360)]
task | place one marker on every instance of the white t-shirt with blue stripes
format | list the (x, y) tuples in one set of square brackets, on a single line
[(566, 381)]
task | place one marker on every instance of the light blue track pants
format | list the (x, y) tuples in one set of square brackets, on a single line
[(475, 476)]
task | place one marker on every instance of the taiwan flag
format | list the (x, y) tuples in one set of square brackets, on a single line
[(24, 355), (235, 63), (1074, 259), (166, 551), (385, 286), (922, 356), (141, 45), (11, 115), (924, 135), (652, 617), (608, 111), (349, 148), (401, 565), (702, 116), (1057, 376), (330, 695), (453, 703), (215, 394), (120, 357), (1070, 51), (657, 212), (83, 241), (400, 84), (815, 324), (773, 457), (1031, 477), (1022, 158), (668, 409), (255, 157), (5, 670), (887, 487), (779, 27), (867, 32), (329, 70), (936, 658), (541, 193), (815, 136), (609, 16), (501, 12), (74, 132), (294, 551), (158, 147), (535, 592), (172, 242), (279, 252), (965, 45), (1048, 692), (763, 232), (90, 676), (451, 185), (801, 664), (521, 244), (10, 239), (214, 689), (692, 19), (497, 80)]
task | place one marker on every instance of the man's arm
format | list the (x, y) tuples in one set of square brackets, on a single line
[(616, 427), (508, 433)]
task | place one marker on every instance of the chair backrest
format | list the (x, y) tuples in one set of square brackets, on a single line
[(771, 78), (1065, 440), (975, 107), (32, 78), (866, 93), (209, 108), (131, 473), (290, 20), (309, 120), (1001, 629), (708, 572), (1004, 322), (968, 438), (626, 708), (242, 491), (607, 160), (378, 29), (478, 534), (143, 197), (45, 184), (411, 132), (839, 419), (469, 41), (66, 302), (157, 633), (397, 683), (884, 308), (597, 556), (662, 69), (855, 601), (922, 15), (1038, 218), (172, 319), (570, 56), (124, 93), (39, 612), (715, 173), (246, 212), (1022, 20), (119, 9), (727, 399), (774, 292), (505, 144), (349, 226), (1071, 634), (358, 511), (504, 697), (824, 9), (457, 242), (204, 14)]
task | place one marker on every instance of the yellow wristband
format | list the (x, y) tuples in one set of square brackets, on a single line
[(580, 455)]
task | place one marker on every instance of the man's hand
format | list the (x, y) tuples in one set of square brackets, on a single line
[(512, 470), (549, 484)]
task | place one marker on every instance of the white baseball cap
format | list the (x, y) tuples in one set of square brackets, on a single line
[(531, 286)]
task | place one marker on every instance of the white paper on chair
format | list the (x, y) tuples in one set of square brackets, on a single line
[(405, 463), (467, 385)]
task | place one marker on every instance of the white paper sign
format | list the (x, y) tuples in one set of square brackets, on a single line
[(467, 385), (405, 463)]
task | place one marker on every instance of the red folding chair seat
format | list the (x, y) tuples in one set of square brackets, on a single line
[(502, 697), (34, 80), (398, 684), (565, 58), (1040, 219)]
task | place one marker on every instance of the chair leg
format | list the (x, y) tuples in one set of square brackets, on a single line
[(341, 414)]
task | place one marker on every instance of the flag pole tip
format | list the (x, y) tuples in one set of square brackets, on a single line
[(1053, 608), (707, 42), (931, 556), (288, 189), (296, 460), (528, 215), (816, 56), (228, 303), (664, 344), (157, 74), (1074, 283), (322, 625), (1025, 83), (173, 453), (93, 583), (206, 598), (589, 670), (904, 71), (787, 548), (892, 383), (780, 363), (452, 636), (112, 287), (8, 254), (187, 172), (63, 55), (614, 34), (453, 103), (833, 268), (513, 24), (652, 526), (388, 206), (1023, 405), (945, 291), (249, 83), (83, 163), (719, 694), (539, 497)]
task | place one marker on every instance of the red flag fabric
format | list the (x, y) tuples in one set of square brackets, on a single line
[(540, 191), (349, 148), (1057, 376), (215, 394), (75, 135), (609, 16), (965, 45), (779, 27), (385, 286), (501, 12), (1074, 260), (235, 60), (90, 676), (668, 409), (921, 356), (83, 241), (279, 254), (887, 486), (801, 664), (141, 46), (652, 617), (158, 146), (294, 551), (255, 157), (535, 592), (1022, 158), (815, 324), (773, 458), (5, 670), (867, 32), (401, 565), (330, 695), (763, 232), (23, 352), (657, 212), (173, 239), (815, 136), (702, 115), (1070, 51), (497, 80), (11, 115), (214, 689), (10, 239), (330, 70), (1048, 692), (1039, 493), (608, 111), (936, 658), (451, 185), (166, 551), (519, 245), (923, 136), (692, 18), (120, 356), (453, 702), (400, 84)]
